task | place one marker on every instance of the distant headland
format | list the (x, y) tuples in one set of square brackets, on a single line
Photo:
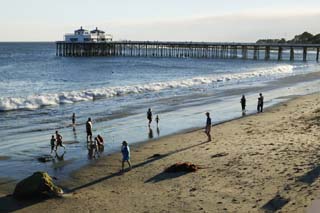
[(304, 38)]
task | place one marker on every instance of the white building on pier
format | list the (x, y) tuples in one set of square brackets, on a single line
[(82, 35)]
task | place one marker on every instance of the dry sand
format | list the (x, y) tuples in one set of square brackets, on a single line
[(265, 162)]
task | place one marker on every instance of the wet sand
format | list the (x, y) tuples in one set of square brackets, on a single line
[(260, 163)]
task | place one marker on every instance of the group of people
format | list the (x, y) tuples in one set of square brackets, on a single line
[(56, 142), (149, 117), (259, 104), (243, 107), (95, 146)]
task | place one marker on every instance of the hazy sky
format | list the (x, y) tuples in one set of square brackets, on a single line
[(198, 20)]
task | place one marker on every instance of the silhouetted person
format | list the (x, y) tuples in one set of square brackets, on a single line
[(125, 150), (208, 126), (158, 131), (59, 141), (89, 129), (149, 116), (74, 119), (243, 103), (157, 120), (260, 103)]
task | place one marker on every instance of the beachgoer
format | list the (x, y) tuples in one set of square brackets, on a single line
[(208, 126), (125, 150), (260, 103), (59, 141), (157, 120), (243, 103), (74, 119), (100, 140), (100, 143), (149, 116), (95, 147), (52, 143), (89, 129)]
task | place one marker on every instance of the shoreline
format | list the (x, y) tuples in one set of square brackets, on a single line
[(224, 105), (244, 172)]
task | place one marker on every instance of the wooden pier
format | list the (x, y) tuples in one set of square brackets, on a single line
[(210, 50)]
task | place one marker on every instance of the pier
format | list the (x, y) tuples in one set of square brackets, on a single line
[(210, 50)]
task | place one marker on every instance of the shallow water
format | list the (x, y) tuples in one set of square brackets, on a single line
[(39, 92)]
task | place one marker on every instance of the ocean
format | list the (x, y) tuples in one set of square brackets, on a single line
[(39, 92)]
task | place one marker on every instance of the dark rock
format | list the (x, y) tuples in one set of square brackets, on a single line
[(39, 184)]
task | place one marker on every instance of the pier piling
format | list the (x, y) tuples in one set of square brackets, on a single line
[(209, 50)]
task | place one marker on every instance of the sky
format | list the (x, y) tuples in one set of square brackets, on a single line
[(175, 20)]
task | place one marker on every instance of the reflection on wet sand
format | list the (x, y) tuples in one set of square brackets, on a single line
[(150, 134)]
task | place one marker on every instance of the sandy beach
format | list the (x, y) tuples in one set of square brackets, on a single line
[(259, 163)]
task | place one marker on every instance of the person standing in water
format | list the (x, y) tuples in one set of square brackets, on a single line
[(59, 141), (74, 119), (149, 116), (89, 129), (125, 150), (157, 120), (52, 143), (208, 126), (243, 103)]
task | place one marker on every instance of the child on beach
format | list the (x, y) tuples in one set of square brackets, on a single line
[(100, 140), (59, 141), (100, 143), (125, 150), (52, 143)]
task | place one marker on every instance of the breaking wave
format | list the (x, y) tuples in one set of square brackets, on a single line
[(36, 101)]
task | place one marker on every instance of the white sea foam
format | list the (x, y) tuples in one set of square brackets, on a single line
[(37, 101)]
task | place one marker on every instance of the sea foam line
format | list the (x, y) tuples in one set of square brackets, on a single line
[(36, 101)]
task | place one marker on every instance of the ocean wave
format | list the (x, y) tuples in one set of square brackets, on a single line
[(36, 101)]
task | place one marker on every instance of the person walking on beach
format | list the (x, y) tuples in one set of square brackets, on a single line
[(243, 103), (260, 103), (59, 141), (149, 116), (125, 150), (52, 143), (208, 126), (73, 119), (89, 129), (157, 120)]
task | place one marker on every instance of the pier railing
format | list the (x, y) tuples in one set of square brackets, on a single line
[(219, 50)]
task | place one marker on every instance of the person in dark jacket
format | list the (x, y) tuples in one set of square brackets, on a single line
[(208, 126)]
